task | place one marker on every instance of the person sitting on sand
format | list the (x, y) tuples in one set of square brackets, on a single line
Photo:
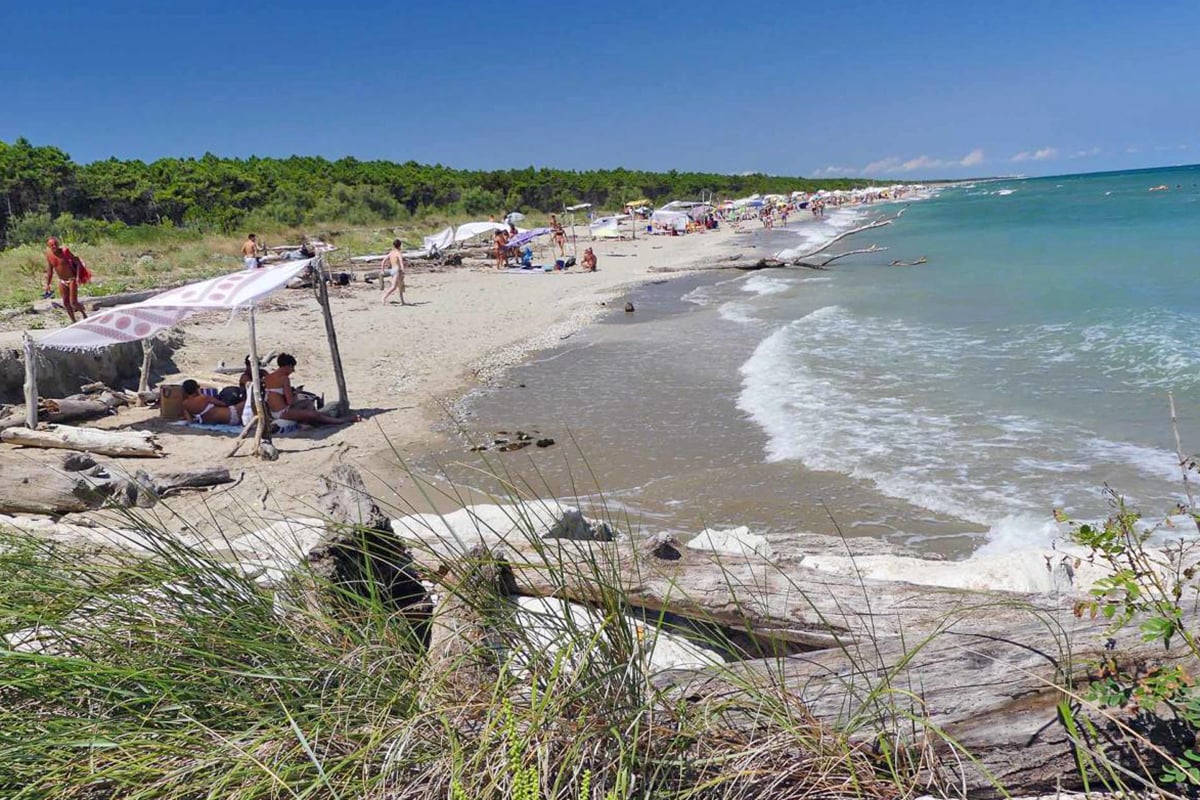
[(205, 410), (281, 400), (394, 261), (589, 260)]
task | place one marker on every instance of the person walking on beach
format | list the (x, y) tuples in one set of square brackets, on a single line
[(250, 251), (394, 261), (70, 271)]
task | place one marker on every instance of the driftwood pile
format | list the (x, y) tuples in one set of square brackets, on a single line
[(93, 401), (977, 689)]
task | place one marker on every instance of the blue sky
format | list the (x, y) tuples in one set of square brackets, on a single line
[(880, 89)]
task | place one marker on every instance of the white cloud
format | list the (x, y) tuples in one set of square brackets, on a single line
[(1092, 151), (922, 162), (1036, 155), (832, 170), (888, 164), (1133, 149), (972, 159)]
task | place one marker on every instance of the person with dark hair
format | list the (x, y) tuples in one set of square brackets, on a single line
[(394, 261), (206, 410), (250, 251), (560, 235), (281, 400), (70, 271)]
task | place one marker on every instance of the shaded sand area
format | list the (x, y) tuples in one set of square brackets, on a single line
[(404, 367)]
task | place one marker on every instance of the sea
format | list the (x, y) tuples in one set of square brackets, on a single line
[(952, 405)]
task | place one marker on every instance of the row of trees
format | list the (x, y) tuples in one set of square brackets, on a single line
[(211, 193)]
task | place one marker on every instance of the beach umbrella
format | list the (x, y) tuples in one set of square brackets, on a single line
[(525, 237), (514, 217)]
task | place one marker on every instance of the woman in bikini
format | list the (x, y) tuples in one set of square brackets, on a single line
[(205, 410), (560, 235), (281, 399)]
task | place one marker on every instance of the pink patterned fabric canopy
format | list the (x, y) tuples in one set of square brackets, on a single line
[(142, 320)]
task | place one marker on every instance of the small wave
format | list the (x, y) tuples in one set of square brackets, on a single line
[(765, 285), (737, 312), (1004, 192)]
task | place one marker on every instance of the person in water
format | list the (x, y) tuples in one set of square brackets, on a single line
[(205, 410), (281, 400)]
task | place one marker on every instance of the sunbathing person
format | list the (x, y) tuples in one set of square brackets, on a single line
[(589, 260), (205, 410), (281, 400)]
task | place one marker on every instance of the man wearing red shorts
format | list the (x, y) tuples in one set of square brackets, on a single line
[(66, 265)]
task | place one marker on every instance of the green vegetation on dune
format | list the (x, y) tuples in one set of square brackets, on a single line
[(41, 187)]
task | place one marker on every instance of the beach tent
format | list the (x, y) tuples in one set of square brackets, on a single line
[(470, 230), (136, 321), (699, 211), (440, 240), (677, 220)]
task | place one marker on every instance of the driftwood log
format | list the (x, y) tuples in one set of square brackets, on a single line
[(78, 484), (126, 444), (359, 547)]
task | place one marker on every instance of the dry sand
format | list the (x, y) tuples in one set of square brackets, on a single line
[(404, 366)]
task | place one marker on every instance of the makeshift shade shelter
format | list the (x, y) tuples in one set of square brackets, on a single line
[(676, 220), (469, 230), (440, 240), (142, 320), (514, 217)]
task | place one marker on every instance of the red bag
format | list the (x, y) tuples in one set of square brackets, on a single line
[(82, 273)]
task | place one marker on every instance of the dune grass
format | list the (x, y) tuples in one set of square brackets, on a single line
[(172, 674)]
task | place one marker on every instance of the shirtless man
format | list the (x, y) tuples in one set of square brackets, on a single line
[(66, 265), (394, 261), (250, 252), (589, 260)]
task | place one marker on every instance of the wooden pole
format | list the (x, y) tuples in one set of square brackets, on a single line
[(31, 392), (260, 409), (144, 378), (318, 267)]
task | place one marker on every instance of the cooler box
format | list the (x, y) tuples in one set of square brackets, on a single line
[(170, 401)]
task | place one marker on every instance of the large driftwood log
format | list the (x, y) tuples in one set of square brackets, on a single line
[(359, 546), (129, 444), (30, 488), (998, 683), (80, 484)]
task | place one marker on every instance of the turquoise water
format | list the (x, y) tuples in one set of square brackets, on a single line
[(950, 405)]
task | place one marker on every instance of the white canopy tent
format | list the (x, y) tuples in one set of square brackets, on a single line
[(139, 321), (677, 220), (469, 230)]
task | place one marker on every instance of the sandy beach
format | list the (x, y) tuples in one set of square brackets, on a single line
[(405, 366)]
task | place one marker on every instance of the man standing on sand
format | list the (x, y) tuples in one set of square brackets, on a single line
[(250, 252), (395, 262), (66, 265)]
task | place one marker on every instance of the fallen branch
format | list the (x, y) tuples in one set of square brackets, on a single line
[(822, 265)]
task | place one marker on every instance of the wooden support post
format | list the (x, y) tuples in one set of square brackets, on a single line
[(31, 391), (322, 289), (144, 378), (260, 408)]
